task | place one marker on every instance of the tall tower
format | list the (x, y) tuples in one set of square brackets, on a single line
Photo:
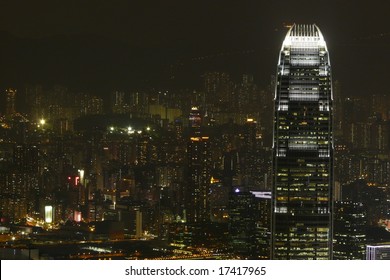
[(199, 171), (303, 148)]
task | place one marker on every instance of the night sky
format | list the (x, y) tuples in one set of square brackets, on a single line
[(118, 44)]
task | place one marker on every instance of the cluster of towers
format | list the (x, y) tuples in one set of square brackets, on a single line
[(209, 176)]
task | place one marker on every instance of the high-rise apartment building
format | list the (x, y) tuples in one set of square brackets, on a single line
[(10, 101), (251, 160), (119, 104), (199, 167), (303, 148), (199, 171)]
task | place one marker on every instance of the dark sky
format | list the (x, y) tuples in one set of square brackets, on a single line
[(94, 44)]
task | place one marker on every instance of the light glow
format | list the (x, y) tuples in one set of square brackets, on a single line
[(49, 214)]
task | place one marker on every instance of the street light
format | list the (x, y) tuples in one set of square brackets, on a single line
[(41, 123)]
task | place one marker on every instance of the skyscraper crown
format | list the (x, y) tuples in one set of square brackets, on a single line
[(304, 30), (304, 36)]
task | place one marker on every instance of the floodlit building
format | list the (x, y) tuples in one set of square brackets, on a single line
[(303, 148)]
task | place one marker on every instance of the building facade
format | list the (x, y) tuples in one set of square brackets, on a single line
[(303, 148), (349, 231), (378, 252), (199, 171)]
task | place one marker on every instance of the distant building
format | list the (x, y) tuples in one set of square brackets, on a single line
[(242, 224), (349, 231), (165, 113), (217, 87), (250, 156), (95, 106), (199, 171), (378, 252), (373, 198), (17, 194), (194, 121), (91, 105), (26, 158), (10, 95), (119, 104), (381, 105), (108, 230), (19, 254), (263, 224)]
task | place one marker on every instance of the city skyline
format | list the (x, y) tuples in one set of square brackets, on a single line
[(131, 130)]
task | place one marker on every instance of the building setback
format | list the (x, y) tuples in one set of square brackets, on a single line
[(302, 148)]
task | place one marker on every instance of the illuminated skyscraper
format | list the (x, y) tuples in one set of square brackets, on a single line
[(303, 148), (195, 121), (199, 165), (199, 171)]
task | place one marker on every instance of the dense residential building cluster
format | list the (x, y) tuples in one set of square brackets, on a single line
[(147, 164)]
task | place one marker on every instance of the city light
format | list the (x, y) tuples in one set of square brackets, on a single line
[(227, 165), (48, 214), (302, 50), (81, 173)]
